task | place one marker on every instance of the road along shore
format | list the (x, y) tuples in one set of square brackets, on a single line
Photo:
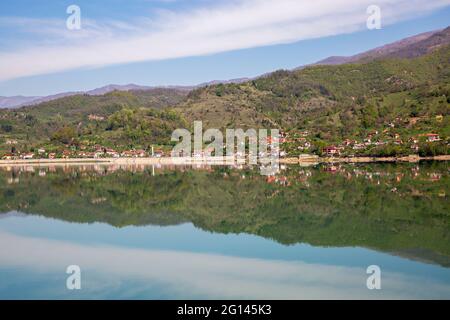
[(210, 161)]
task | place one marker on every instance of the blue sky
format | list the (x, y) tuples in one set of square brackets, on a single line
[(181, 42)]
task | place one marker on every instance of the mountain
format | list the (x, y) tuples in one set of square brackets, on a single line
[(411, 47), (8, 102), (20, 101), (39, 100), (112, 87), (329, 98), (405, 97), (214, 82)]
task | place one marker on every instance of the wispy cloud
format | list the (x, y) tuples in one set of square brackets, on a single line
[(206, 30), (187, 274)]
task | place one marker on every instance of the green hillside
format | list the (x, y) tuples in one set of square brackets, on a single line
[(325, 98), (399, 98), (88, 117)]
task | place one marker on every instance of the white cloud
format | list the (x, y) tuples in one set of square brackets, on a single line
[(223, 27), (187, 274)]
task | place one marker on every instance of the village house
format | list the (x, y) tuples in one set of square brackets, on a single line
[(134, 154), (112, 153), (413, 140), (305, 146), (140, 153), (8, 156), (432, 137), (331, 169), (304, 133), (94, 117), (283, 181), (348, 142), (271, 179), (66, 154), (358, 146), (85, 154), (127, 154), (434, 176), (370, 136), (331, 151), (27, 156)]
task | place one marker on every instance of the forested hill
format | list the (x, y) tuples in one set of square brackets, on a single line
[(402, 98)]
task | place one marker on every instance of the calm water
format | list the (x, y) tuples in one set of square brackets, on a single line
[(157, 233)]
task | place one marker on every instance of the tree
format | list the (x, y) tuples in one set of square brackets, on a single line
[(64, 135), (6, 127)]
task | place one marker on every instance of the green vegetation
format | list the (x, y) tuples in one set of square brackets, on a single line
[(401, 99), (393, 208), (93, 119)]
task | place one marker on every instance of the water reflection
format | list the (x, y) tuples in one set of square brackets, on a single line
[(401, 211)]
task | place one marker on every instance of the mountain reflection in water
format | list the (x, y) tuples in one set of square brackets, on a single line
[(401, 210)]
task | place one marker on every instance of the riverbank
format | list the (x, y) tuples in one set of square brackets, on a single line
[(311, 160)]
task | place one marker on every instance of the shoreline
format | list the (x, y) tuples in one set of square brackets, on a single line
[(312, 160)]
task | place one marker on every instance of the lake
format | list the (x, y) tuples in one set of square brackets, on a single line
[(146, 232)]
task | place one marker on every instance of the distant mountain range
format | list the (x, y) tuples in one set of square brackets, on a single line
[(20, 101), (411, 47)]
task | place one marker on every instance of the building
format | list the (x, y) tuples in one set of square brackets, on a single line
[(8, 156), (112, 153), (331, 151), (66, 154), (84, 154), (134, 154), (432, 137), (140, 153), (28, 156), (94, 117)]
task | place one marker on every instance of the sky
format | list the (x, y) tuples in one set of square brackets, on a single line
[(187, 42)]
